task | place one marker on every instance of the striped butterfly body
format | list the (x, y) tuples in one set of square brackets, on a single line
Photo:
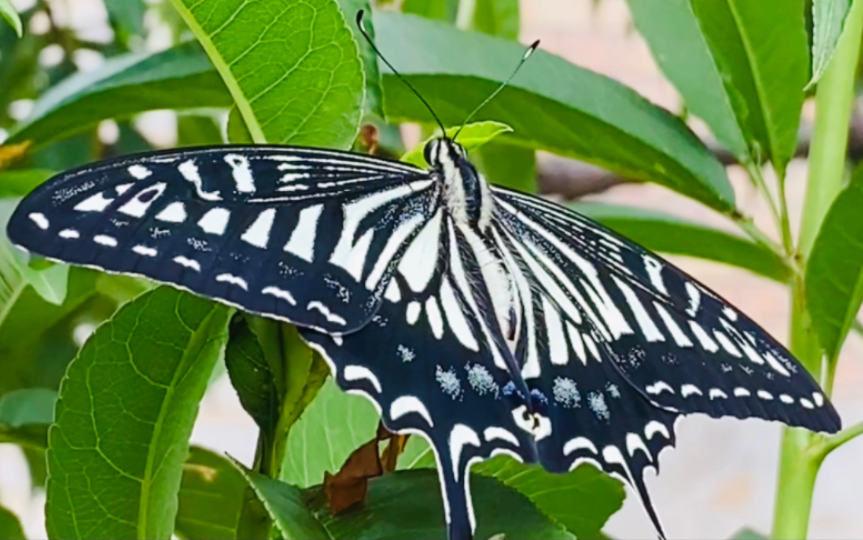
[(486, 320)]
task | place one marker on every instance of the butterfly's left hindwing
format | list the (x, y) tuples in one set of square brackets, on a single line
[(307, 236), (431, 361)]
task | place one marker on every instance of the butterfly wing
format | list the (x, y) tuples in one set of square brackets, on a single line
[(432, 361), (618, 343), (677, 342), (307, 236)]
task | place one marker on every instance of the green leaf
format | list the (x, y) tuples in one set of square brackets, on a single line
[(581, 500), (828, 20), (125, 414), (285, 506), (443, 10), (471, 137), (297, 375), (747, 533), (666, 233), (211, 497), (373, 101), (407, 505), (497, 17), (292, 68), (238, 133), (333, 426), (508, 165), (36, 337), (179, 78), (198, 130), (49, 283), (10, 527), (18, 183), (8, 12), (252, 378), (127, 16), (25, 415), (551, 105), (834, 273), (740, 66), (28, 406)]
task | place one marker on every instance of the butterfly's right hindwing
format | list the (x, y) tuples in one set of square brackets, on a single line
[(306, 236)]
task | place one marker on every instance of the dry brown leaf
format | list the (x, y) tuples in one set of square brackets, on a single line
[(349, 486)]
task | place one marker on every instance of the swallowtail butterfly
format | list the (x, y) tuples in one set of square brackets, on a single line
[(487, 320)]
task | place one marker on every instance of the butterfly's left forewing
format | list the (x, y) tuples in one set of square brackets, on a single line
[(307, 236)]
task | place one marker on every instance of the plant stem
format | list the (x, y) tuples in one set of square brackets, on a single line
[(798, 466), (838, 439), (803, 452), (754, 171), (757, 235), (833, 102)]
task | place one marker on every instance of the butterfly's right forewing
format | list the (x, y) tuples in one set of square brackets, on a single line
[(306, 236)]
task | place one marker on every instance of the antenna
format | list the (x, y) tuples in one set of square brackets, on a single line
[(521, 62), (365, 34)]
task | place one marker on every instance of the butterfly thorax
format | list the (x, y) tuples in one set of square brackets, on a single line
[(469, 202), (466, 192)]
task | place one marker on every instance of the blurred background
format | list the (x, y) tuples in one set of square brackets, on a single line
[(719, 479)]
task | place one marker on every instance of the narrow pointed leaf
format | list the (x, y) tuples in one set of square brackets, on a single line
[(8, 12), (666, 233), (834, 273), (740, 66), (551, 105), (125, 414), (828, 20), (292, 68), (179, 78)]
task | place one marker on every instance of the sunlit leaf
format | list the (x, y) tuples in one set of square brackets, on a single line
[(471, 137), (292, 68), (8, 12)]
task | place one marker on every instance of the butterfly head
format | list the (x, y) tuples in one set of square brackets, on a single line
[(442, 151)]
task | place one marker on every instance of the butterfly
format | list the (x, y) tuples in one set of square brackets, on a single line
[(486, 320)]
